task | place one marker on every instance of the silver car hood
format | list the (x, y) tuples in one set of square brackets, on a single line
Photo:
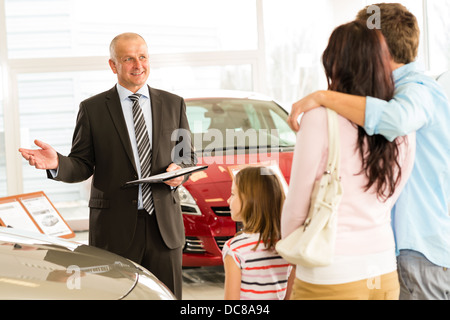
[(35, 266)]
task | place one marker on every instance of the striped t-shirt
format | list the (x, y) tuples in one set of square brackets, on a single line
[(264, 273)]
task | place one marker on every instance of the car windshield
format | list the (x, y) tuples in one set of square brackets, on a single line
[(221, 123)]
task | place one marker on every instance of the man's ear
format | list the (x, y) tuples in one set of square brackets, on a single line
[(112, 65)]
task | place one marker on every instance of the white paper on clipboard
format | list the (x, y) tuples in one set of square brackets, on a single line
[(166, 175)]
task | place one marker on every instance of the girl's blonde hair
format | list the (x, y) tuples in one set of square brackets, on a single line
[(262, 198)]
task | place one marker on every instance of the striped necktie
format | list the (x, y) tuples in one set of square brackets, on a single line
[(144, 151)]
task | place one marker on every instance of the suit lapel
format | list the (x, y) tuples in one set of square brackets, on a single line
[(115, 109), (156, 105)]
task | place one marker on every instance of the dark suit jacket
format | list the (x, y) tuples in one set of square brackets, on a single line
[(101, 147)]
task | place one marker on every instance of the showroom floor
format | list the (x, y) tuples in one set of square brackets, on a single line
[(205, 283)]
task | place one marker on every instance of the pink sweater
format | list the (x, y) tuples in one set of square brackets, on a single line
[(363, 220)]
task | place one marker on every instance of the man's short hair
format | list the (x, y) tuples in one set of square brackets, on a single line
[(126, 35), (400, 28)]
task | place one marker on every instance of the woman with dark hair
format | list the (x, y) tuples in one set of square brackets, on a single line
[(373, 172)]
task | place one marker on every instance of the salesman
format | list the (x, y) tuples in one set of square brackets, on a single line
[(144, 222)]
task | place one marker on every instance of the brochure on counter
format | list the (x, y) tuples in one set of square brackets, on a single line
[(33, 212), (167, 175)]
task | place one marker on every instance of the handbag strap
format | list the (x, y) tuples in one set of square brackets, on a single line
[(333, 143)]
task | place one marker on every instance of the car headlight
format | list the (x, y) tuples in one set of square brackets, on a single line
[(188, 204)]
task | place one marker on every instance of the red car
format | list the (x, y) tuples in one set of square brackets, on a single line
[(229, 129)]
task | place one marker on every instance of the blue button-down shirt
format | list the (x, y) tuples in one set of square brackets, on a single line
[(420, 217)]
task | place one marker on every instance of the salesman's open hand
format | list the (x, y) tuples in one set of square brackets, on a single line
[(43, 158), (175, 182)]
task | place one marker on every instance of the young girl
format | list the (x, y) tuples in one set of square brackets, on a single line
[(253, 269)]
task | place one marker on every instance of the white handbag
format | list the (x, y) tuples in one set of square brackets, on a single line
[(312, 244)]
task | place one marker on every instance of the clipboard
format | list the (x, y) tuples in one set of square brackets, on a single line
[(166, 176)]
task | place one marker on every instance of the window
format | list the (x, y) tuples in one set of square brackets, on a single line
[(286, 135), (217, 123), (295, 38), (185, 78), (55, 28), (48, 105), (438, 31), (2, 141)]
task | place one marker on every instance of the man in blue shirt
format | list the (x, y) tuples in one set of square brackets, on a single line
[(420, 217)]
